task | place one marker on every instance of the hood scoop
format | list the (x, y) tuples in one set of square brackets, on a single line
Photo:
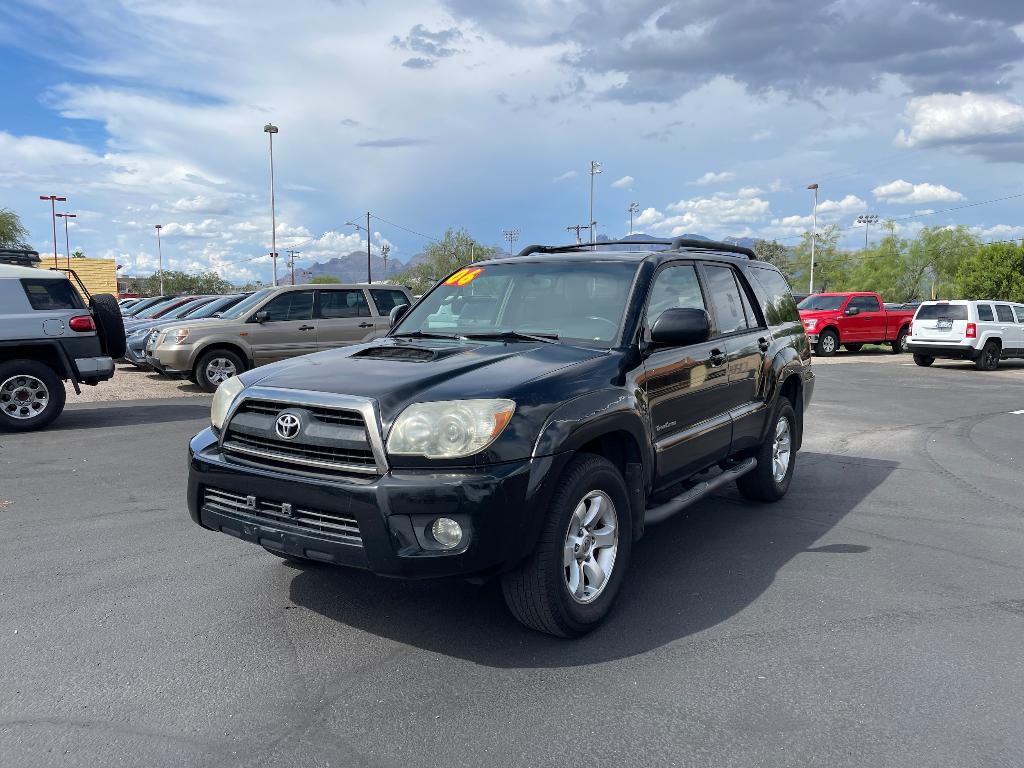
[(404, 354)]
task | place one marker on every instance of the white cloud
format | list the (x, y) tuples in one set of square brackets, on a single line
[(829, 211), (716, 215), (960, 118), (565, 177), (749, 192), (714, 178), (901, 191), (626, 182)]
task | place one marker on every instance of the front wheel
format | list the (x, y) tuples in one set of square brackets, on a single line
[(924, 360), (31, 395), (214, 367), (569, 583), (776, 459), (828, 343)]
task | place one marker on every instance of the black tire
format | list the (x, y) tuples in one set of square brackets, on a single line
[(109, 324), (900, 345), (988, 360), (202, 369), (924, 360), (853, 347), (761, 484), (537, 592), (20, 408), (828, 343)]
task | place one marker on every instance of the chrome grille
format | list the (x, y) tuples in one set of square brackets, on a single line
[(330, 524)]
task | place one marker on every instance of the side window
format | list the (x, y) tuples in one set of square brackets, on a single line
[(865, 303), (340, 304), (294, 305), (51, 294), (386, 300), (1004, 313), (725, 298), (1020, 314), (985, 312), (674, 287), (780, 307)]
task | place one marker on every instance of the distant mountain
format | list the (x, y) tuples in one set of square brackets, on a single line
[(351, 268)]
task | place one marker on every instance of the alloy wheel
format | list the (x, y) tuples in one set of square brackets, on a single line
[(23, 397), (781, 450), (591, 544), (220, 369)]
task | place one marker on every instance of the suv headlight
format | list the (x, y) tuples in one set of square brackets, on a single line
[(448, 429), (222, 399)]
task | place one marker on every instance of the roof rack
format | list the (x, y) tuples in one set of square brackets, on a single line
[(674, 244)]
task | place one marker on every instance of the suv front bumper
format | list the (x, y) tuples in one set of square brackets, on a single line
[(499, 508)]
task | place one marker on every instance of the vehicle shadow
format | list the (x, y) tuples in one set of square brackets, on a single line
[(688, 574), (126, 413)]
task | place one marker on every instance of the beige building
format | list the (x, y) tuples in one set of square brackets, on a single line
[(99, 275)]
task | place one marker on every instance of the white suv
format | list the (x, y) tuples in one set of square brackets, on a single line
[(982, 331)]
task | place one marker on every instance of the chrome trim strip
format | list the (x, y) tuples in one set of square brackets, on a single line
[(230, 446), (703, 428)]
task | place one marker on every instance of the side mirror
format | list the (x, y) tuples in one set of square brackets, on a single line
[(261, 317), (851, 311), (397, 313), (681, 327)]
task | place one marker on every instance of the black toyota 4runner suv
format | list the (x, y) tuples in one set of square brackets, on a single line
[(527, 419)]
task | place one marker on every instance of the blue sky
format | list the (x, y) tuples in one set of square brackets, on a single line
[(713, 117)]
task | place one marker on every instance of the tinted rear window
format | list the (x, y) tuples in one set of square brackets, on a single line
[(945, 311), (51, 294), (985, 312), (780, 307), (1004, 313)]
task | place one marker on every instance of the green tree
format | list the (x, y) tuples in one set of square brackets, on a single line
[(995, 271), (12, 232), (831, 266), (77, 254), (455, 250), (325, 280), (183, 283), (776, 254)]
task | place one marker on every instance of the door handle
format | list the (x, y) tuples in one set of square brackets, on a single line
[(366, 325), (763, 343), (307, 327), (717, 357)]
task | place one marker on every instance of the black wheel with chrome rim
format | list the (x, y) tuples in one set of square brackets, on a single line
[(31, 395)]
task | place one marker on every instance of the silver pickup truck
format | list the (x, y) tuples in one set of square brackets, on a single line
[(50, 334)]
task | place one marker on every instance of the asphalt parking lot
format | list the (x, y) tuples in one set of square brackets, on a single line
[(873, 617)]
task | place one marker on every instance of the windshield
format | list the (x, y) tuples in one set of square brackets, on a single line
[(822, 303), (242, 307), (186, 310), (158, 307), (216, 305), (575, 301)]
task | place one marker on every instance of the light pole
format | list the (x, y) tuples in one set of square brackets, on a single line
[(160, 256), (814, 233), (385, 249), (53, 215), (291, 262), (270, 129), (867, 219), (511, 235), (634, 208), (595, 168), (67, 242)]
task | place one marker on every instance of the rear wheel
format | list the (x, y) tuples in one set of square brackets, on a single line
[(216, 366), (853, 347), (31, 395), (569, 583), (900, 345), (828, 343), (924, 360), (988, 360), (776, 459)]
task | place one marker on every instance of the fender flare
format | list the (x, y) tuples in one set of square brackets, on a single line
[(785, 364)]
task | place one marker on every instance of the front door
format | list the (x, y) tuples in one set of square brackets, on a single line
[(344, 318), (869, 322), (686, 387), (288, 330)]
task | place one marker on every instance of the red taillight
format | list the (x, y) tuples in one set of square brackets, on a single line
[(910, 328), (81, 323), (972, 331)]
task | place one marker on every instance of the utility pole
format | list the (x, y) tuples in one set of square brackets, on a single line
[(291, 262), (67, 242), (270, 129), (511, 235), (53, 215), (867, 220), (160, 256), (634, 208), (385, 249), (577, 228), (814, 233), (369, 273), (595, 168)]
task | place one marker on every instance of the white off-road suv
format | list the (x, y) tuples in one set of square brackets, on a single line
[(984, 332), (49, 334)]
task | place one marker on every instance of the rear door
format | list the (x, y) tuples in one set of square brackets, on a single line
[(288, 331), (1008, 328), (344, 318), (686, 387)]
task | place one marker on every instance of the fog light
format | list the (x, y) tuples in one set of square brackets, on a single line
[(446, 532)]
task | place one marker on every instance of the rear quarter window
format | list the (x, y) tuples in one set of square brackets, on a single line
[(780, 307), (50, 295), (1004, 313)]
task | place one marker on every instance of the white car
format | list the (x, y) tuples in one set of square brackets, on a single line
[(984, 332)]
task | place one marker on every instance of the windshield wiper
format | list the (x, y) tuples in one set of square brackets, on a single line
[(547, 338), (418, 334)]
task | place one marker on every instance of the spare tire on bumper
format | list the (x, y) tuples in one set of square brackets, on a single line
[(109, 324)]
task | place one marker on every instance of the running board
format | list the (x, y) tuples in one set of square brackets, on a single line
[(699, 491)]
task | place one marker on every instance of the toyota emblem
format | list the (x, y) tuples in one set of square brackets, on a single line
[(287, 426)]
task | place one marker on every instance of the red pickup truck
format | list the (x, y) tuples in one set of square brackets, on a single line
[(853, 319)]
